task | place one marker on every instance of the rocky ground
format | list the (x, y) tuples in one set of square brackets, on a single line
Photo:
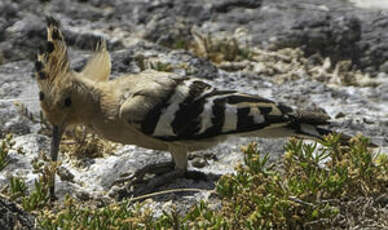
[(327, 55)]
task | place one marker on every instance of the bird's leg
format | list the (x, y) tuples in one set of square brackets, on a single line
[(179, 155)]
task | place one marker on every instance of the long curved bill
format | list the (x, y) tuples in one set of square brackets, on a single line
[(55, 141)]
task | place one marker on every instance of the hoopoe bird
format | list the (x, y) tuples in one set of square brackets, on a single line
[(155, 110)]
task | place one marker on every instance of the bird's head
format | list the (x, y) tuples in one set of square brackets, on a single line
[(64, 94)]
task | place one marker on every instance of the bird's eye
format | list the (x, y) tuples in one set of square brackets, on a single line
[(41, 95), (67, 101)]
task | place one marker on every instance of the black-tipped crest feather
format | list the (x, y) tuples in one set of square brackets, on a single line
[(51, 21), (52, 61)]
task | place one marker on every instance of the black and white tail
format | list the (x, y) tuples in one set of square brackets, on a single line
[(194, 110)]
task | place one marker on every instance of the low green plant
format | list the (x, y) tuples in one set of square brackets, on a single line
[(306, 189), (115, 216), (37, 199), (6, 145), (181, 43), (17, 187)]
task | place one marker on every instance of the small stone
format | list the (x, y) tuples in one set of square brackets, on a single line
[(382, 199), (340, 115), (368, 121), (210, 156), (191, 156), (65, 174), (370, 69), (384, 67), (82, 195), (226, 5), (382, 75), (113, 192), (199, 162)]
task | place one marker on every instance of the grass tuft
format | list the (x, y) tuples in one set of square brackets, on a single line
[(6, 145), (218, 50), (80, 143)]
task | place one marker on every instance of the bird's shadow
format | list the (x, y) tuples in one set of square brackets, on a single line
[(193, 182)]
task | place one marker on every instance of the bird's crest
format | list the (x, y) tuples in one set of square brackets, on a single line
[(52, 64), (62, 90)]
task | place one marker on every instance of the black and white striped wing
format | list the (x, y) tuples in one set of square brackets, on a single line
[(195, 110)]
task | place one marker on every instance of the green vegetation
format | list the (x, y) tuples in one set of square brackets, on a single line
[(17, 189), (5, 146), (307, 190), (311, 187), (160, 66), (38, 197)]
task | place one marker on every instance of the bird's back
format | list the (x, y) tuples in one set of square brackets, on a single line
[(189, 110)]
